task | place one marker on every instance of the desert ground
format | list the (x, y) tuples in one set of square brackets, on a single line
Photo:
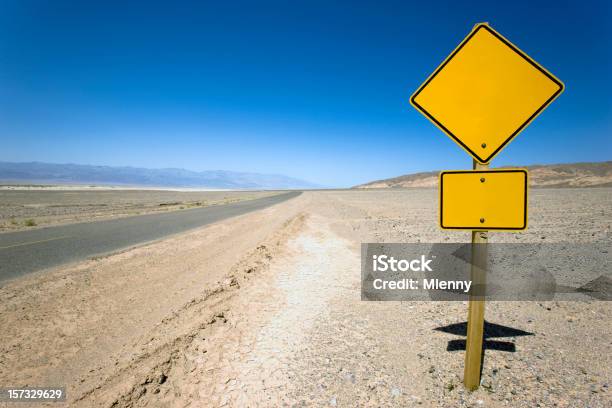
[(27, 207), (264, 309)]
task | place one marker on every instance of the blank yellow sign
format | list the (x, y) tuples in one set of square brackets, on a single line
[(485, 93), (483, 199)]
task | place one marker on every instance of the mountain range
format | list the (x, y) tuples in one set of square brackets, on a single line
[(48, 173), (598, 174)]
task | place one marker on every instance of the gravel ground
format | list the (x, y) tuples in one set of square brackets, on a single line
[(265, 310), (30, 208)]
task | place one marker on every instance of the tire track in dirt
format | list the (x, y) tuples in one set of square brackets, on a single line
[(151, 378), (243, 355)]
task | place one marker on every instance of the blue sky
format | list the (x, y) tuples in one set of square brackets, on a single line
[(313, 90)]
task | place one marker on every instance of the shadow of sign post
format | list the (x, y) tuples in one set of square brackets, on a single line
[(491, 331)]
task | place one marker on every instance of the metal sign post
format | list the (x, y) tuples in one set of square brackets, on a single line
[(476, 306)]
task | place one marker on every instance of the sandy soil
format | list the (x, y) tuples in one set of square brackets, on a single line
[(265, 310), (30, 207)]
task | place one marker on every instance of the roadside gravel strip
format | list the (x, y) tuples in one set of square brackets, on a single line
[(264, 309)]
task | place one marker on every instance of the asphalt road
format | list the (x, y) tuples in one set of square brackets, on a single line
[(28, 251)]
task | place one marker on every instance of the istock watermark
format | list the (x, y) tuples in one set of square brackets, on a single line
[(384, 263), (441, 271)]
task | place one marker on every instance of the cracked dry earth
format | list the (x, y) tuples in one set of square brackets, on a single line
[(265, 310)]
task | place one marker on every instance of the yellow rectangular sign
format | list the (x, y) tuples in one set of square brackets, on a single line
[(485, 93), (484, 199)]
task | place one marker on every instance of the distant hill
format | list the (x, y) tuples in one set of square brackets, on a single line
[(47, 173), (552, 175)]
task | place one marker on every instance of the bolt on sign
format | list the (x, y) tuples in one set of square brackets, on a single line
[(482, 96), (485, 93)]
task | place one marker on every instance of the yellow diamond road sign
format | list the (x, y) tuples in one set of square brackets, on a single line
[(483, 199), (485, 93)]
